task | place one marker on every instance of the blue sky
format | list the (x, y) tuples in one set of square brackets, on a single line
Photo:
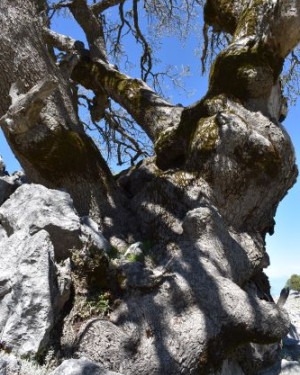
[(283, 246)]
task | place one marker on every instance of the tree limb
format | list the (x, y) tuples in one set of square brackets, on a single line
[(62, 42), (148, 109), (146, 58), (92, 28), (104, 5)]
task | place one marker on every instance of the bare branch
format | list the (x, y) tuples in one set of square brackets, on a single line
[(205, 47), (146, 58), (104, 5), (92, 27), (149, 110)]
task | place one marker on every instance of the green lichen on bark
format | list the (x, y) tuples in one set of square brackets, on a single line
[(236, 71), (204, 141)]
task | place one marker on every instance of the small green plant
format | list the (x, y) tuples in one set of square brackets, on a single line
[(99, 304), (92, 305), (294, 282)]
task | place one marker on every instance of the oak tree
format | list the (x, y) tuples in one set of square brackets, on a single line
[(205, 200)]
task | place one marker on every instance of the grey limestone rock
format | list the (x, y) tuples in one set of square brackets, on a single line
[(9, 365), (3, 234), (34, 207), (81, 366), (291, 343), (14, 365), (39, 228), (290, 367), (26, 291)]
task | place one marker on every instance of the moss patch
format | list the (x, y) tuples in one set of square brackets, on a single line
[(204, 141), (229, 73), (63, 153)]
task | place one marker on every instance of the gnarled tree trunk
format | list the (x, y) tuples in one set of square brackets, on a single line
[(205, 203)]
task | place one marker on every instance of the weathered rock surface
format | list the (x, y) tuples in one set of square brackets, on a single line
[(39, 227), (34, 207), (81, 366), (26, 291), (291, 343), (3, 233), (12, 365), (9, 365)]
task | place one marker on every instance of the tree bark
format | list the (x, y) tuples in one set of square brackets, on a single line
[(205, 203), (52, 148)]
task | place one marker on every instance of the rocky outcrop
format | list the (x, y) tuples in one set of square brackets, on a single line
[(39, 230), (27, 291)]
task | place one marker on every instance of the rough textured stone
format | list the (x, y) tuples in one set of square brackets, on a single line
[(291, 343), (3, 234), (12, 365), (35, 277), (81, 366), (35, 207), (27, 278), (9, 365)]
